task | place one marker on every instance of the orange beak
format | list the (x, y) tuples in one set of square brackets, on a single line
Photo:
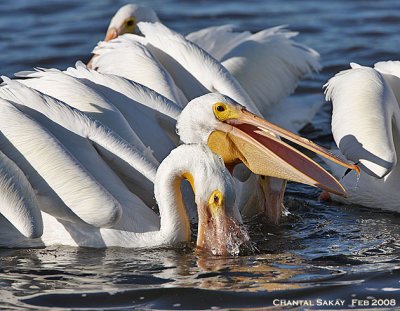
[(112, 33)]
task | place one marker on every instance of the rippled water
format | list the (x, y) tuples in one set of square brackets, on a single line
[(320, 251)]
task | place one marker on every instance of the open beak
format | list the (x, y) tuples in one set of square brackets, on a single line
[(219, 233), (257, 143)]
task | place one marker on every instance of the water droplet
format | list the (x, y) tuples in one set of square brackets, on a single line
[(357, 181)]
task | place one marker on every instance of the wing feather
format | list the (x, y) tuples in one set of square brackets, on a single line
[(80, 96), (193, 69), (80, 134), (127, 56), (362, 118), (269, 65), (18, 201), (218, 40), (44, 159)]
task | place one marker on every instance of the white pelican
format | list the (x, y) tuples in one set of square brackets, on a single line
[(365, 126), (214, 234), (126, 19), (219, 228)]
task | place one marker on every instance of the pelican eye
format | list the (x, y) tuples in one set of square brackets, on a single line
[(223, 111), (130, 22), (216, 199), (220, 108)]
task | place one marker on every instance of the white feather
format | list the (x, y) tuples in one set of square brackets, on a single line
[(218, 40), (18, 202), (128, 57), (44, 159), (390, 67), (293, 113), (78, 132), (363, 111), (390, 71), (142, 108), (268, 64), (194, 70), (84, 98)]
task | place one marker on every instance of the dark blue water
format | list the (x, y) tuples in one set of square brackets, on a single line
[(320, 251)]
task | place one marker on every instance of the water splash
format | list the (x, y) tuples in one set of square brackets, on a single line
[(231, 238), (357, 181), (238, 240)]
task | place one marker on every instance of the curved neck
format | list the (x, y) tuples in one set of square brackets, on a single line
[(175, 225)]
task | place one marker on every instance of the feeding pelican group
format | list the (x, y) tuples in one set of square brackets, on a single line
[(91, 157)]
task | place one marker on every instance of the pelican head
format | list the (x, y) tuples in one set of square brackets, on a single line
[(126, 19), (219, 221), (238, 136), (219, 230)]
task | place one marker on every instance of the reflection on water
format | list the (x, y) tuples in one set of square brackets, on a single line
[(319, 251)]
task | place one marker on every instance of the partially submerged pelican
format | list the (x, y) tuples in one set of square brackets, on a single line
[(219, 229), (84, 203)]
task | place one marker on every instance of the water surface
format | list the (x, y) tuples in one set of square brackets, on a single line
[(320, 251)]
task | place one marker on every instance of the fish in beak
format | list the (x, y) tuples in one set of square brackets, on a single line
[(219, 231), (244, 137)]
